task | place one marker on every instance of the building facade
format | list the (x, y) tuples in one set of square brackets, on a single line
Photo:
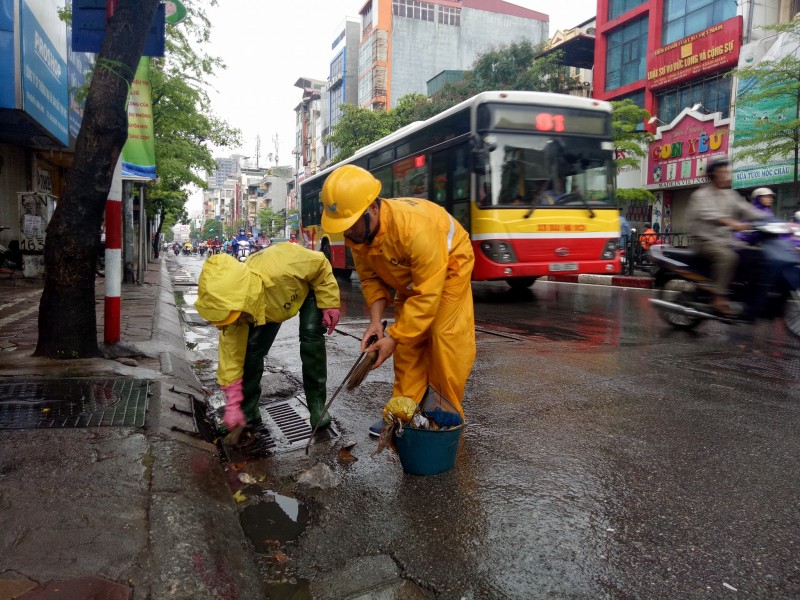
[(406, 43), (343, 77), (674, 59)]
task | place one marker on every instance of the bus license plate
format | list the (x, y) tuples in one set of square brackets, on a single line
[(563, 267)]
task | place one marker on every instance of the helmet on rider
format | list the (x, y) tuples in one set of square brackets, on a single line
[(716, 164), (762, 198), (796, 217), (346, 195), (241, 231)]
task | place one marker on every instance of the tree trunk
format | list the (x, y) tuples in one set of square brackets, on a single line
[(67, 318)]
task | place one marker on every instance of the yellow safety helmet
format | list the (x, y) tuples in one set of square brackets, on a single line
[(346, 194)]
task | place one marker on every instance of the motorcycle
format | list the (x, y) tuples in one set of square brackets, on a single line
[(176, 250), (683, 280), (10, 257), (243, 250)]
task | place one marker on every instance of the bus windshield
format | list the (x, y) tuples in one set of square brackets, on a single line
[(535, 170)]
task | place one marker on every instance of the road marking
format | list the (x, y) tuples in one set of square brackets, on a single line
[(17, 316), (19, 299)]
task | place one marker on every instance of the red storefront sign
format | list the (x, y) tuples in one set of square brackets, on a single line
[(681, 151), (712, 49)]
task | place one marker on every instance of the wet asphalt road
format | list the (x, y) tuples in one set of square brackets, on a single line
[(605, 456)]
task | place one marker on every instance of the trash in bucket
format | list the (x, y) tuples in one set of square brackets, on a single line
[(427, 451), (433, 449)]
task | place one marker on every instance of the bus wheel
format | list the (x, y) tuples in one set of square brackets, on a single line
[(343, 274), (520, 283), (326, 250)]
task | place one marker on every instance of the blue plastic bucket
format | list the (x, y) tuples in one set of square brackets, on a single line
[(428, 451)]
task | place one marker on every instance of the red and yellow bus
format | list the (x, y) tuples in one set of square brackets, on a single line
[(530, 175)]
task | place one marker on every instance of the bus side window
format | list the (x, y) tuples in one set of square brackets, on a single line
[(461, 172), (384, 175), (441, 181)]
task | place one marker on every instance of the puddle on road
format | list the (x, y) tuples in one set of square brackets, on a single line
[(278, 519), (199, 341)]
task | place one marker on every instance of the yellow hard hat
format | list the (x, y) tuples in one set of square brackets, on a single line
[(346, 194)]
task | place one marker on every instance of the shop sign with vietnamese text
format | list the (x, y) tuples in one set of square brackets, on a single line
[(680, 153), (712, 49)]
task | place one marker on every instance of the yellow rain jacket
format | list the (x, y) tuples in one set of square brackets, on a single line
[(419, 251), (270, 285), (426, 256)]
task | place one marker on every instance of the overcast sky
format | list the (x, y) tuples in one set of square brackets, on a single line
[(267, 45)]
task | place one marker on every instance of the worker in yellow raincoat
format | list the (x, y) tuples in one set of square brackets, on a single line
[(248, 302), (416, 248)]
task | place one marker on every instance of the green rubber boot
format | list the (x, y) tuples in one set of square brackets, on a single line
[(259, 341), (314, 359)]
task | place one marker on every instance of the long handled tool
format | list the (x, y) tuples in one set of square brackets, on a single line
[(371, 341)]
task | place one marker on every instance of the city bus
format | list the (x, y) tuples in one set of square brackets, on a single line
[(529, 175)]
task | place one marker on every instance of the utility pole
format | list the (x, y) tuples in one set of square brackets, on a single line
[(258, 150), (276, 144)]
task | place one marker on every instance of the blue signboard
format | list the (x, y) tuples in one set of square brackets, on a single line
[(7, 53), (44, 67), (80, 64), (89, 28)]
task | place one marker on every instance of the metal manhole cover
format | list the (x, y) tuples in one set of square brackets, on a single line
[(60, 403), (287, 422)]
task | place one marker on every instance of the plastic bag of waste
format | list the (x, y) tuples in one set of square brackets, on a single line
[(421, 422), (443, 418), (399, 408), (320, 476)]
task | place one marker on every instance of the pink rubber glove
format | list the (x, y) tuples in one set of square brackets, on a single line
[(330, 317), (234, 395)]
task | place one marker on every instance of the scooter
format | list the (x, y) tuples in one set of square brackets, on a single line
[(10, 258), (683, 280), (243, 250)]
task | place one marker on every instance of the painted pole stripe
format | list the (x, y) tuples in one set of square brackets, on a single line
[(113, 279), (112, 305)]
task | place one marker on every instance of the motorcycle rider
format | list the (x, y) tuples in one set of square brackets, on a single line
[(242, 237), (715, 211)]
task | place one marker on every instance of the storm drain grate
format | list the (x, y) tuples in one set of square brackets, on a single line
[(288, 424), (61, 403)]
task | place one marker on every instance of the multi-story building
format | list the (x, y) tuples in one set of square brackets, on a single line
[(308, 126), (577, 48), (674, 59), (343, 78), (405, 43), (227, 167)]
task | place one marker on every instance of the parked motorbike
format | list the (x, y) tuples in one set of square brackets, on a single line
[(243, 250), (683, 279), (10, 256)]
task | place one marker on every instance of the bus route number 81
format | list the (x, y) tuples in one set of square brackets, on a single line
[(549, 122)]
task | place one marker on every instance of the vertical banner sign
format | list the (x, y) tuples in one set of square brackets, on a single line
[(139, 153)]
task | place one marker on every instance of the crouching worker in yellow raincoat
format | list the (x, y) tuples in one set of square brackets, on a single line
[(248, 302), (415, 247)]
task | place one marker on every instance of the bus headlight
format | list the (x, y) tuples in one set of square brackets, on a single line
[(609, 250), (498, 251)]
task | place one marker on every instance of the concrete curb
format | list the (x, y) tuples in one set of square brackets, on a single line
[(630, 281), (198, 549)]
